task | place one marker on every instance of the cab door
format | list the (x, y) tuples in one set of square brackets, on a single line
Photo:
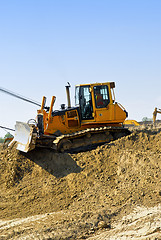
[(84, 99), (102, 109)]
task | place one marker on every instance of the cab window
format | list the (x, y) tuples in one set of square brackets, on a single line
[(101, 95), (86, 102), (77, 96)]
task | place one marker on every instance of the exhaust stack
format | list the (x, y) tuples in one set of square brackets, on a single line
[(68, 94)]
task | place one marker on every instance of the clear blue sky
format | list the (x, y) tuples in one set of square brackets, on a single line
[(46, 43)]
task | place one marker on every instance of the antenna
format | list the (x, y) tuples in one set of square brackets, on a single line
[(19, 96)]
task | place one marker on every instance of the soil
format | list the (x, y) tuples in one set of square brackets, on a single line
[(111, 192)]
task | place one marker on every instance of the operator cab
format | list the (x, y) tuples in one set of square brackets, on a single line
[(90, 97)]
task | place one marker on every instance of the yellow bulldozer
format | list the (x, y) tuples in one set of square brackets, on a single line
[(96, 118)]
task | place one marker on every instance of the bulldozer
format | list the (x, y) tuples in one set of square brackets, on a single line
[(96, 119)]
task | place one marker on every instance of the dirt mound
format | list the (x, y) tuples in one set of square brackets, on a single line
[(88, 190)]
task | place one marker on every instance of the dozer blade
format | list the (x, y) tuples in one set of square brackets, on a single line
[(25, 137)]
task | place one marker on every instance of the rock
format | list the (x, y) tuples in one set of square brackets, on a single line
[(103, 224)]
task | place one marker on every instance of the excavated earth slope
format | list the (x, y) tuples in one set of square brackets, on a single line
[(48, 195)]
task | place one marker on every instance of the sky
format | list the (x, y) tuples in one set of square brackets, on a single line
[(46, 43)]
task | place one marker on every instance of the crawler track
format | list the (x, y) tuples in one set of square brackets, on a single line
[(87, 138)]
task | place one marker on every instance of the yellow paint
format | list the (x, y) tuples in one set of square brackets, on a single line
[(69, 122), (132, 122)]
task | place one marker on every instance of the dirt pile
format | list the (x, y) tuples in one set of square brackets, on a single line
[(87, 191)]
